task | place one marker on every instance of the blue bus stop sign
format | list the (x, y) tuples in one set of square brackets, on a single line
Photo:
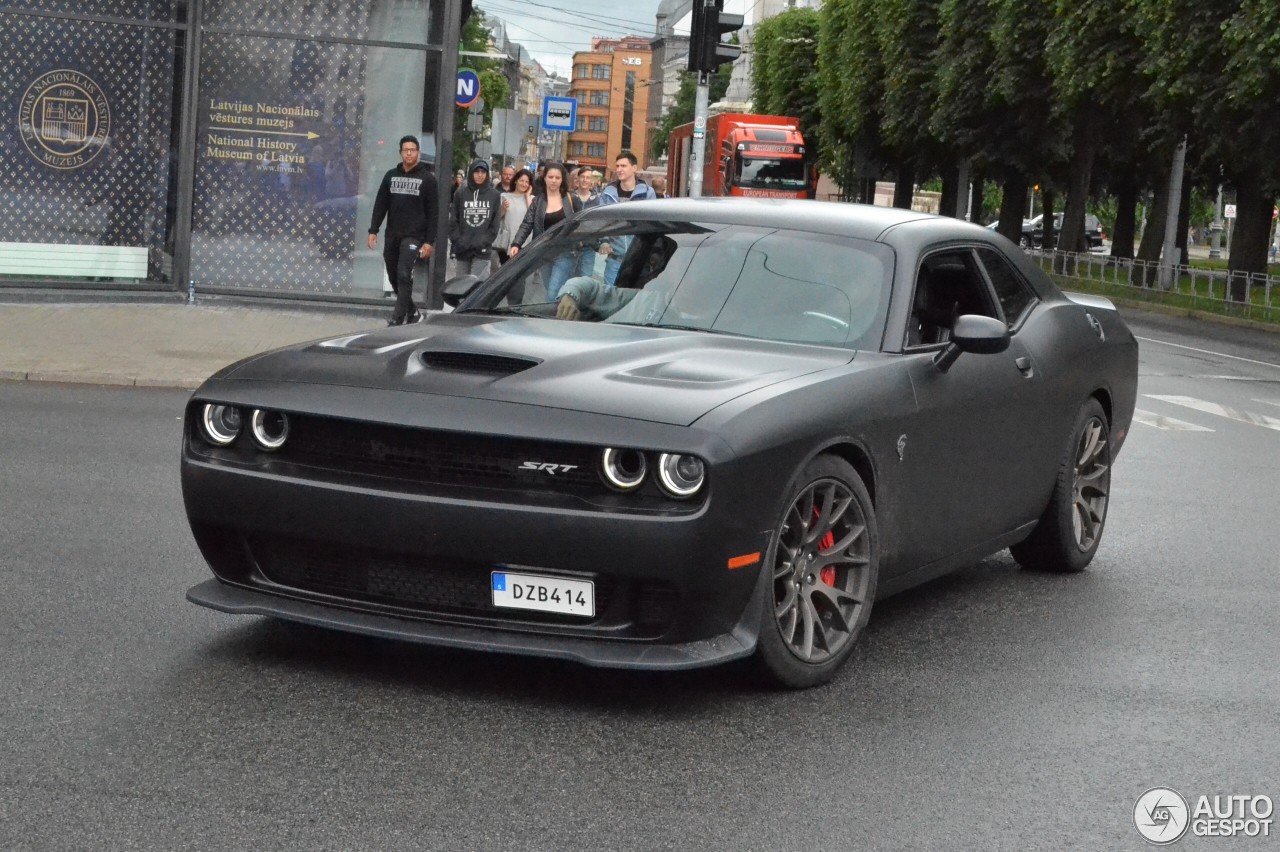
[(559, 113)]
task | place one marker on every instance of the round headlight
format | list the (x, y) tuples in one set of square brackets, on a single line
[(681, 475), (270, 428), (623, 469), (220, 424)]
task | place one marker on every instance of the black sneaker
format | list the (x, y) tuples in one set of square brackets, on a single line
[(395, 321), (416, 316)]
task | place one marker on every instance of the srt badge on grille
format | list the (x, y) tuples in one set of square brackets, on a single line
[(548, 467)]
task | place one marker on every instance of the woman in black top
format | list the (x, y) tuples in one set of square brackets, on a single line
[(552, 204)]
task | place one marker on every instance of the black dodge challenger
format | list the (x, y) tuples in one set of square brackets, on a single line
[(670, 434)]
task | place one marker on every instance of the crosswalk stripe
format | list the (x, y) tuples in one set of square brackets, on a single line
[(1220, 410), (1171, 424)]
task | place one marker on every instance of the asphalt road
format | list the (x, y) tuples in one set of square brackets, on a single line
[(993, 709)]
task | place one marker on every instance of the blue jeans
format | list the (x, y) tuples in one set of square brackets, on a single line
[(561, 269), (587, 262), (611, 266)]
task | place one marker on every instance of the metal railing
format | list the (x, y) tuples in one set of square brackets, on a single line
[(1252, 295)]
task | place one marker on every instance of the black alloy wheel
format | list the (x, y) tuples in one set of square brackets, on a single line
[(823, 568), (1067, 535)]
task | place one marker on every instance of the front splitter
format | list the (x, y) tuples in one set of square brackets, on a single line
[(602, 653)]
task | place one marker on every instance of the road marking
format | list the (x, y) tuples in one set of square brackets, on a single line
[(1208, 352), (1170, 424), (1267, 402), (1220, 410)]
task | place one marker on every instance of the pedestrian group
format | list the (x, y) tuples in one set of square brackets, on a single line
[(492, 218)]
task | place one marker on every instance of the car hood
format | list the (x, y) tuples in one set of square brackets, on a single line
[(660, 375)]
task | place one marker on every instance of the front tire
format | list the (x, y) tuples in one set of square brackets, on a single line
[(822, 569), (1068, 532)]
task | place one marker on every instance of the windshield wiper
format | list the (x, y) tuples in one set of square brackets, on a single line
[(503, 309), (682, 328)]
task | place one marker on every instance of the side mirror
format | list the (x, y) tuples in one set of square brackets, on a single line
[(973, 333), (458, 288)]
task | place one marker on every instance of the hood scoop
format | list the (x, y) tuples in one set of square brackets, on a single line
[(477, 362)]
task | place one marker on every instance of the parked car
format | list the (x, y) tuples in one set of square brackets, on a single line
[(781, 412), (1092, 230), (1025, 240)]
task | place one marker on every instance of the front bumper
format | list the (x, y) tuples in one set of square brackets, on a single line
[(736, 644), (378, 553)]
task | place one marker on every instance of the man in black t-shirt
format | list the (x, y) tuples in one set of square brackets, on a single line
[(407, 198)]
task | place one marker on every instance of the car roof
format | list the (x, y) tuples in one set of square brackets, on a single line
[(862, 221)]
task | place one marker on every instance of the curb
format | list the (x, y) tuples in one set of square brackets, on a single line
[(1192, 313), (115, 380)]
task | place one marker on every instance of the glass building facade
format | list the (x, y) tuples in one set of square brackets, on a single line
[(234, 146)]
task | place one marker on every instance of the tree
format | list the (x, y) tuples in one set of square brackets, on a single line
[(964, 117), (850, 90), (1211, 66), (784, 69), (1020, 90), (907, 37), (1093, 54)]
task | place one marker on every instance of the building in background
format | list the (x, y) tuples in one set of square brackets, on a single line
[(610, 83)]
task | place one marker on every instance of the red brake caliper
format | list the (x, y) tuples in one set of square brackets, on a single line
[(828, 573)]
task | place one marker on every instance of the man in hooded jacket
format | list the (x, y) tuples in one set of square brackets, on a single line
[(474, 218)]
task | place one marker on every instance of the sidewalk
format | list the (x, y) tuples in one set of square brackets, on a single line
[(152, 345)]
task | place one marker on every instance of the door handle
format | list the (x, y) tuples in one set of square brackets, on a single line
[(1024, 364)]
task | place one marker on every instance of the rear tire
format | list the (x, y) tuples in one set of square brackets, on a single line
[(1067, 535), (822, 568)]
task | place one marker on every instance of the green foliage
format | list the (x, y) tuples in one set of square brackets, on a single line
[(963, 116), (1025, 89), (1251, 43), (1021, 89), (907, 36), (850, 90), (784, 73)]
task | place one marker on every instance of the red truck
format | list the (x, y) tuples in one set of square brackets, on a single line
[(762, 156)]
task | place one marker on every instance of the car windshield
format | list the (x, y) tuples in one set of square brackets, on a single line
[(755, 281), (767, 173)]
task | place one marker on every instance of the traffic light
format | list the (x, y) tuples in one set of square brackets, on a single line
[(706, 51)]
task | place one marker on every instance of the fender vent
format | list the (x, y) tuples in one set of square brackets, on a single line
[(477, 362)]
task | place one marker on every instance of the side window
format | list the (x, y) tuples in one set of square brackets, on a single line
[(1015, 294), (948, 285)]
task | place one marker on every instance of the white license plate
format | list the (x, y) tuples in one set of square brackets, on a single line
[(544, 594)]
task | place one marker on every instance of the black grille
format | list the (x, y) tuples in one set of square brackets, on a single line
[(445, 458), (477, 362), (655, 605), (425, 584)]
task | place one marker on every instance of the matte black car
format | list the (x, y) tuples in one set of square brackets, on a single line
[(779, 412)]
